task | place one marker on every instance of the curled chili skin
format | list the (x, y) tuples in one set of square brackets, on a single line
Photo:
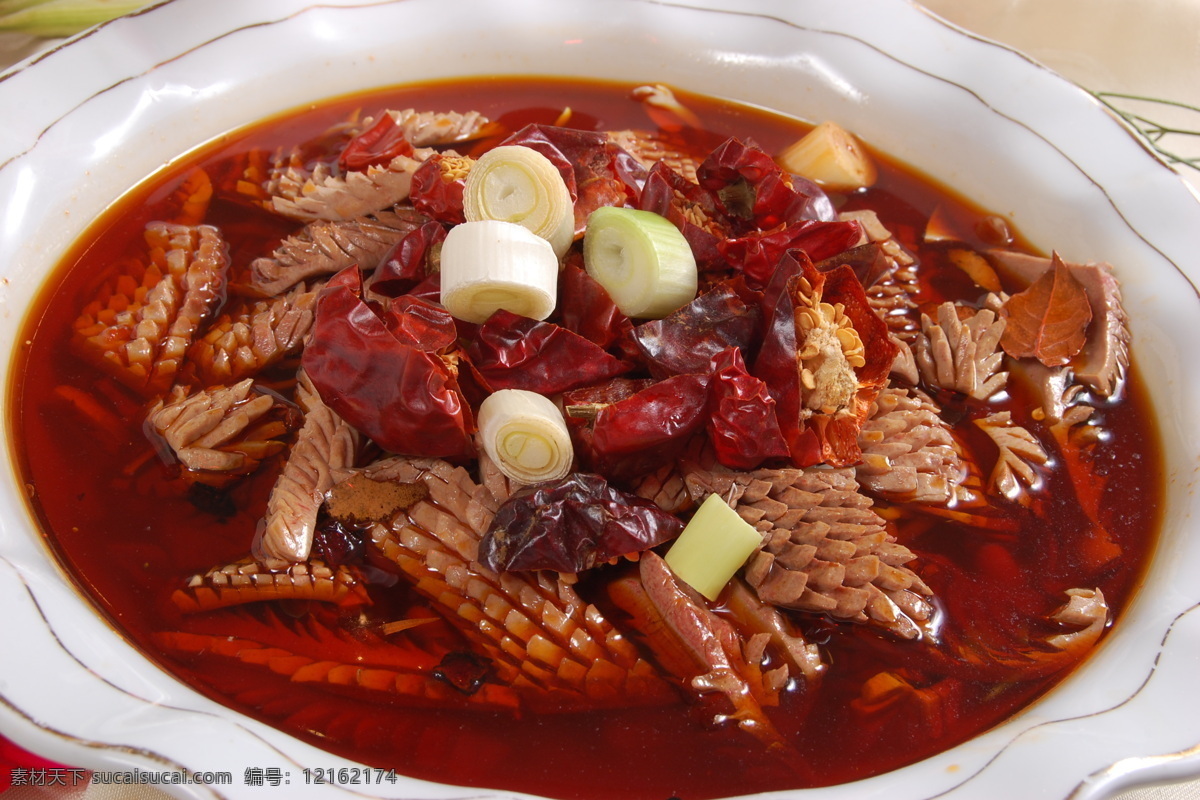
[(406, 265), (376, 146), (742, 424), (373, 366)]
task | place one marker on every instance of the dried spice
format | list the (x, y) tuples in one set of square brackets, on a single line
[(374, 366), (572, 525), (515, 352), (376, 146)]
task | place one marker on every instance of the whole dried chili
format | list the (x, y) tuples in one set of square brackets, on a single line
[(640, 433), (388, 370), (756, 192), (515, 352), (741, 425), (685, 341), (572, 525)]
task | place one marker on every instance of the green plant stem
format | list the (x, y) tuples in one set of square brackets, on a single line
[(57, 18), (1152, 131)]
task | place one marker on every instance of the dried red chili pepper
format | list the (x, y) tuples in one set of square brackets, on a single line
[(741, 425), (419, 323), (407, 264), (572, 525), (376, 146), (437, 187), (820, 437), (686, 340), (638, 434), (691, 209), (584, 307), (758, 253), (515, 352), (756, 192), (581, 407), (369, 364)]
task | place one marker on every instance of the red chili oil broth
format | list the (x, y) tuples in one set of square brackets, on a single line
[(120, 521)]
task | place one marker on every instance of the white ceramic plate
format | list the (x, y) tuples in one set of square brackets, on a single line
[(90, 119)]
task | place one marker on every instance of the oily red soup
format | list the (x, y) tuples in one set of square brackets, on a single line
[(1041, 491)]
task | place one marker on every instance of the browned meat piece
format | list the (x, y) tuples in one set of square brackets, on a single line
[(249, 581), (326, 193), (1105, 357), (905, 366), (323, 248), (751, 613), (142, 324), (825, 550), (220, 433), (892, 296), (1020, 453), (664, 108), (665, 488), (649, 148), (260, 334), (1086, 607), (910, 454), (1052, 384), (535, 628), (500, 485), (1102, 363), (701, 648), (325, 445), (961, 351), (439, 128)]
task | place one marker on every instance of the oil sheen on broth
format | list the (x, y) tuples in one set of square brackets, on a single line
[(389, 673)]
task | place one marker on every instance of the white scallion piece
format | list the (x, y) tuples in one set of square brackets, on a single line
[(830, 156), (520, 185), (526, 436), (489, 265), (641, 259), (713, 546)]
